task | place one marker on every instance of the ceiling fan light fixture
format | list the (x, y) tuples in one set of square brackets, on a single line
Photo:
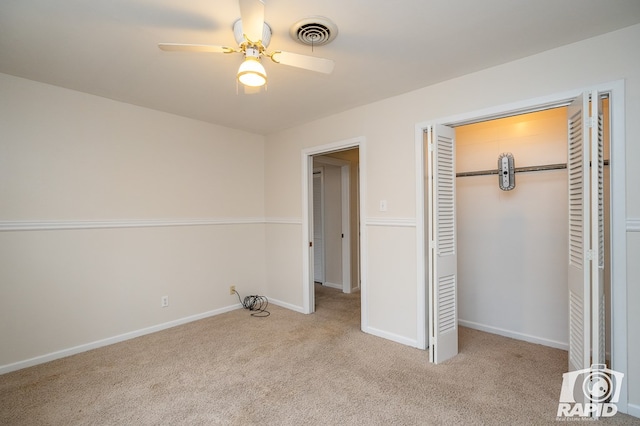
[(251, 72)]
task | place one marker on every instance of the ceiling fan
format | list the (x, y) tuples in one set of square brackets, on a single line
[(253, 36)]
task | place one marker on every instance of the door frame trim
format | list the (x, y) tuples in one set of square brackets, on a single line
[(618, 222)]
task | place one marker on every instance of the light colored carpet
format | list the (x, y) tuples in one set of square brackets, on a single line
[(289, 369)]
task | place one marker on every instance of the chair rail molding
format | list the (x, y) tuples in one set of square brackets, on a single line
[(49, 225), (633, 225)]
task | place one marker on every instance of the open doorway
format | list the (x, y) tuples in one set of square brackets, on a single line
[(331, 207), (335, 220)]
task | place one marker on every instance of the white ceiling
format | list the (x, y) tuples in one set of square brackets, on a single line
[(384, 48)]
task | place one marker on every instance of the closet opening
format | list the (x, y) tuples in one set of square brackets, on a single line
[(592, 192), (513, 244)]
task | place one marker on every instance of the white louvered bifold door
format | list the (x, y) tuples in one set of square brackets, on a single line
[(579, 233), (443, 324), (597, 232), (586, 234)]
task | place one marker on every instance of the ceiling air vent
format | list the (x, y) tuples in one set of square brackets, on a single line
[(314, 31)]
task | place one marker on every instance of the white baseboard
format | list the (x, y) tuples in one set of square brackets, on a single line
[(370, 330), (391, 336), (633, 410), (339, 287), (332, 285), (514, 335), (286, 305), (111, 340)]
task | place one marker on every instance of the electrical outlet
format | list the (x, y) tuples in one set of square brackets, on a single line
[(164, 301), (232, 289)]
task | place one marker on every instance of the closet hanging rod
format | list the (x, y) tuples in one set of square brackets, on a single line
[(558, 166)]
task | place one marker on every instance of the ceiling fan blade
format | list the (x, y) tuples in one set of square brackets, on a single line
[(252, 15), (207, 48), (311, 63)]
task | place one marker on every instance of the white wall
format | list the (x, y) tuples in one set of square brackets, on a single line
[(512, 245), (388, 130), (633, 296), (108, 173)]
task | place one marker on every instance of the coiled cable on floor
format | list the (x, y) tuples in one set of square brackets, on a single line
[(256, 304)]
